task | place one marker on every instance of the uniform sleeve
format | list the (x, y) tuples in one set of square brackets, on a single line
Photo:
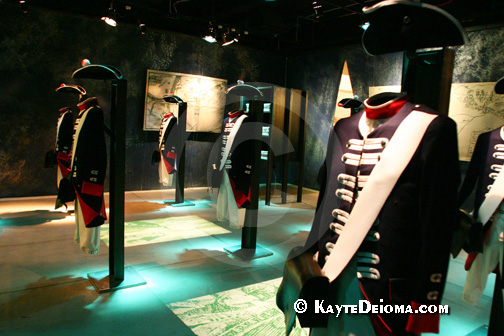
[(242, 160), (91, 167), (438, 214), (317, 231), (170, 144), (65, 134), (473, 170)]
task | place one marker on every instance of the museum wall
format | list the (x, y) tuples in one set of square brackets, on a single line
[(320, 74), (480, 60), (40, 50)]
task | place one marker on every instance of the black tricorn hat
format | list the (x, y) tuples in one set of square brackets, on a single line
[(403, 25), (98, 71), (349, 103), (499, 86)]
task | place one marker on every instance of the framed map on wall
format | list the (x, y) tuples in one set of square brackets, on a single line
[(476, 109), (205, 98)]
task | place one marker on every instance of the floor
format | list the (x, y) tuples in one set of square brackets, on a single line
[(193, 286)]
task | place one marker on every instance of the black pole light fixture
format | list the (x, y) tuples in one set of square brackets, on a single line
[(110, 16), (211, 36), (229, 37)]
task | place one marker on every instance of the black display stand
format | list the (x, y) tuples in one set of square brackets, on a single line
[(285, 149), (181, 143), (268, 119), (282, 110), (248, 249), (301, 145), (117, 277), (427, 77)]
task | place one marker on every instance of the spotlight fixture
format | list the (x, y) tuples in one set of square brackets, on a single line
[(141, 26), (211, 36), (110, 17), (365, 26), (22, 4), (229, 37), (317, 8)]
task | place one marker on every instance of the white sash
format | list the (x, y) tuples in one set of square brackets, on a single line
[(77, 134), (164, 125), (382, 180), (230, 139), (492, 199)]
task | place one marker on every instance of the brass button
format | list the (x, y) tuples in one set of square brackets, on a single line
[(433, 295), (436, 277)]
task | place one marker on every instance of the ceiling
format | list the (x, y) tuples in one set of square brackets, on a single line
[(285, 25)]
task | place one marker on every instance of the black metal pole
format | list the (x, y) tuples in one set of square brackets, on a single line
[(427, 77), (285, 157), (302, 135), (269, 172), (182, 134), (117, 178), (249, 230)]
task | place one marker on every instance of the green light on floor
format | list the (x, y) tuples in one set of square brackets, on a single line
[(249, 310), (167, 229)]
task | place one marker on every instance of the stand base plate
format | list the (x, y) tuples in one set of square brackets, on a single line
[(183, 204), (248, 254), (101, 282), (481, 331)]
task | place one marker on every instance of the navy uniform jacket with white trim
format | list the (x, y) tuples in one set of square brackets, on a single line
[(486, 162), (239, 162), (64, 140), (166, 153), (90, 162), (64, 131), (404, 258)]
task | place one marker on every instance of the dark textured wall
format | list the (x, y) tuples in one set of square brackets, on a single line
[(480, 60), (320, 74), (40, 50)]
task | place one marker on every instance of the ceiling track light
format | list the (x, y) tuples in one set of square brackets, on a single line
[(22, 5), (211, 36), (230, 37), (110, 17), (317, 8), (141, 26), (225, 36)]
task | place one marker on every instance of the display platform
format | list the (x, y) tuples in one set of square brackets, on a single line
[(175, 204), (481, 331), (248, 254), (101, 282)]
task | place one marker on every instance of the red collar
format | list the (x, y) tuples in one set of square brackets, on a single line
[(235, 114), (385, 105), (167, 115), (87, 103), (64, 109)]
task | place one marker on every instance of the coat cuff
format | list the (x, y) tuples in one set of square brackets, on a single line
[(422, 323)]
